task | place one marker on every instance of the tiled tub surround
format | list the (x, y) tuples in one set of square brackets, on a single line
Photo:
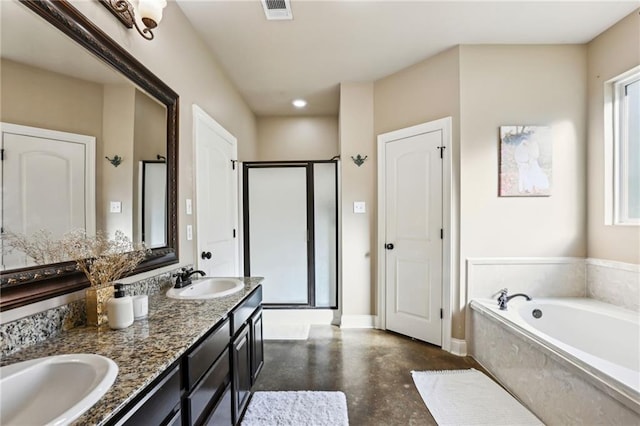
[(35, 328), (553, 383), (142, 351), (611, 282), (536, 276), (614, 282)]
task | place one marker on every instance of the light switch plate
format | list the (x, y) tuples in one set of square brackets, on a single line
[(189, 232), (115, 207), (359, 207), (189, 206)]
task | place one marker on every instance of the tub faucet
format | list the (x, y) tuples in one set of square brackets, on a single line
[(183, 278), (503, 298)]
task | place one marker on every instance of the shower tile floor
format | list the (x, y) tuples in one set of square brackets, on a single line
[(372, 367)]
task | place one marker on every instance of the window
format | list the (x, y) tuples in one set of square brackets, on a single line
[(625, 127)]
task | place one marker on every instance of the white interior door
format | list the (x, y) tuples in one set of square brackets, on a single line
[(47, 184), (413, 241), (216, 197)]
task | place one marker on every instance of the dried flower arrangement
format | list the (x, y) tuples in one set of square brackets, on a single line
[(103, 260), (39, 246)]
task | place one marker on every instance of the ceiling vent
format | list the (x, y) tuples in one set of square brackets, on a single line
[(277, 9)]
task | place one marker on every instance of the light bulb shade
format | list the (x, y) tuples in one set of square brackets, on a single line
[(151, 11)]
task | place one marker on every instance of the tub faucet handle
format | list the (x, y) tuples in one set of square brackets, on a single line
[(503, 299)]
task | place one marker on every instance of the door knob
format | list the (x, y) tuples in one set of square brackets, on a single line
[(205, 255), (388, 246)]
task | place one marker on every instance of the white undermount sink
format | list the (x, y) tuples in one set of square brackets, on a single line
[(53, 390), (207, 288)]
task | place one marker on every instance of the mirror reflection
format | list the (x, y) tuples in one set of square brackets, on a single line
[(65, 117)]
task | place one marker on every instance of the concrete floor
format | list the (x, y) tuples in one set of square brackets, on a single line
[(372, 367)]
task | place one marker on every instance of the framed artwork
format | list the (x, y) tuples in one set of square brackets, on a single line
[(525, 161)]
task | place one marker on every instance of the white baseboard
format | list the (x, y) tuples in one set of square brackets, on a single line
[(458, 347), (357, 321), (303, 316)]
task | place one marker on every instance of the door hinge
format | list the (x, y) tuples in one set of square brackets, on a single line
[(441, 313), (233, 164), (441, 233), (442, 148), (2, 154), (234, 233)]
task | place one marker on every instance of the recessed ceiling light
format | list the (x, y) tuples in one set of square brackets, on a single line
[(299, 103)]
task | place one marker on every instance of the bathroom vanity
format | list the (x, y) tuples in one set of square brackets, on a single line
[(189, 363)]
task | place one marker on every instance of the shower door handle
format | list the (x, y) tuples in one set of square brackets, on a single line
[(389, 246)]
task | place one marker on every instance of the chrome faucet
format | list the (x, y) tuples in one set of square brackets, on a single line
[(183, 278), (503, 298)]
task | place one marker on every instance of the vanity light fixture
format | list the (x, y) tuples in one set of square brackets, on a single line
[(150, 12), (299, 103)]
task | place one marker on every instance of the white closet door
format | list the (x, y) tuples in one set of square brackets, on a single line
[(278, 232), (45, 184)]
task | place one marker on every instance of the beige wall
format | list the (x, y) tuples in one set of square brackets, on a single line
[(534, 85), (179, 57), (424, 92), (358, 184), (297, 138), (610, 54), (481, 88), (40, 98)]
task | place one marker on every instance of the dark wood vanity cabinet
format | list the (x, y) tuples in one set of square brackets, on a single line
[(207, 375), (241, 356), (257, 346), (160, 405), (211, 383), (246, 351)]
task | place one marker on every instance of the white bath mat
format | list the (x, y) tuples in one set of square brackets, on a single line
[(297, 409), (285, 331), (469, 397)]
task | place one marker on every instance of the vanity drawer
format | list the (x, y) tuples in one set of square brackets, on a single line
[(160, 404), (221, 416), (241, 314), (201, 358), (210, 389)]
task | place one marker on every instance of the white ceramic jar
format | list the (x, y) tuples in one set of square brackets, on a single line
[(120, 309)]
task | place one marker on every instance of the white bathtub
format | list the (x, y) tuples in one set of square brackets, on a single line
[(601, 340)]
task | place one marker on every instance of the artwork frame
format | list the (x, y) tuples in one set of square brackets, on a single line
[(526, 158)]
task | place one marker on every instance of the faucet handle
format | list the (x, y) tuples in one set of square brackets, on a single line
[(504, 291)]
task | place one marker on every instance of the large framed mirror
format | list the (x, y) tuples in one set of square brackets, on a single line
[(62, 74)]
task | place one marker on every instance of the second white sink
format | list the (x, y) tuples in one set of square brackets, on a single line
[(207, 288), (54, 390)]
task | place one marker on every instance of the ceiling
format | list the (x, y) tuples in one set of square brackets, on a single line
[(329, 42)]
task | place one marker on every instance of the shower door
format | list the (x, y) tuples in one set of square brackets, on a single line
[(290, 231)]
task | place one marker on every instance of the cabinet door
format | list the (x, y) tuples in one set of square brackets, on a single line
[(242, 372), (257, 349)]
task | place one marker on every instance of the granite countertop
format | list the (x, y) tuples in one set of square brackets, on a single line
[(142, 351)]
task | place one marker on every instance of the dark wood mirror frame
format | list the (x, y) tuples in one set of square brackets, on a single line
[(19, 287)]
